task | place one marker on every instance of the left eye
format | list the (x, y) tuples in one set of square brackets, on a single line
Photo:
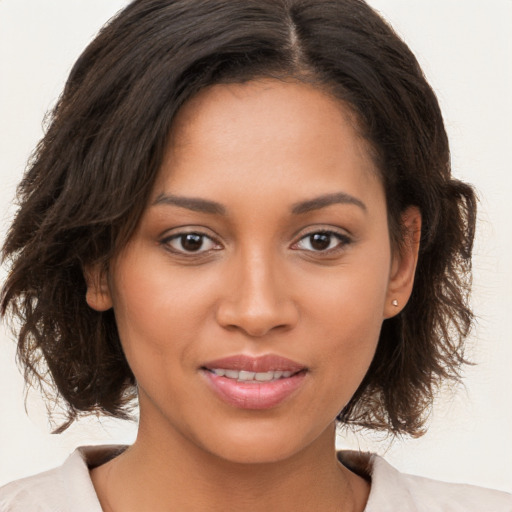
[(190, 243), (321, 241)]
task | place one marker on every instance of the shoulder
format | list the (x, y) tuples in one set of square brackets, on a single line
[(63, 489), (393, 491), (39, 493), (427, 495)]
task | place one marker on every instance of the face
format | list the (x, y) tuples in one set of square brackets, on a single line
[(250, 299)]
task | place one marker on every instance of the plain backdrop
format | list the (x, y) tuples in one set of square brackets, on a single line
[(465, 49)]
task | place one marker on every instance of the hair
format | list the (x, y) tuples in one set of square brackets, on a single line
[(90, 178)]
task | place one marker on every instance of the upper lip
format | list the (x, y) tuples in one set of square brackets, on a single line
[(266, 363)]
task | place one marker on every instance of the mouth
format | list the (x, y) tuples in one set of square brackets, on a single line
[(246, 376), (267, 364), (254, 383)]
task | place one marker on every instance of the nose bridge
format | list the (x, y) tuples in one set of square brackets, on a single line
[(257, 279), (256, 299)]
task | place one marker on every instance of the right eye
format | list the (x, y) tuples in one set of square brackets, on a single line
[(190, 243)]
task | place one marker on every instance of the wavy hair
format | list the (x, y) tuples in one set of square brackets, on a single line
[(90, 177)]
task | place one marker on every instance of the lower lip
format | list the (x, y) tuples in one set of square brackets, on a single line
[(254, 395)]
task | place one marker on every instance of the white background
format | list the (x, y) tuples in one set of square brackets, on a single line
[(465, 48)]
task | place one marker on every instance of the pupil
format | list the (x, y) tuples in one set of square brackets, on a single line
[(320, 241), (192, 241)]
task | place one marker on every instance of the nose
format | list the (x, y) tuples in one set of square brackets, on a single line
[(257, 298)]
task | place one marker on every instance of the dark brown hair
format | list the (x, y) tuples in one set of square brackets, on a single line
[(91, 175)]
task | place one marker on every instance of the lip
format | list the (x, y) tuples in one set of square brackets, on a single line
[(266, 363), (254, 395)]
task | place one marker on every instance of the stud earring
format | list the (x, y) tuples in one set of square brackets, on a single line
[(395, 303)]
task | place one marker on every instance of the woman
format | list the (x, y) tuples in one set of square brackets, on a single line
[(243, 215)]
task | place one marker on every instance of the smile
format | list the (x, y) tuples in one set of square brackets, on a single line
[(256, 383), (246, 376)]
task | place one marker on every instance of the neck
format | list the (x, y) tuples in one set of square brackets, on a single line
[(165, 472)]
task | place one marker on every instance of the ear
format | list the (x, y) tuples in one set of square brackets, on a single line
[(404, 262), (98, 294)]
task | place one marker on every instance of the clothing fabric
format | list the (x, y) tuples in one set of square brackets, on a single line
[(68, 488)]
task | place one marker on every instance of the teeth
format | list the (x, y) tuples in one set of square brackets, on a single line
[(243, 375), (265, 376), (246, 376)]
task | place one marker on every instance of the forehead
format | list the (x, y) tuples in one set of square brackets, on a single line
[(263, 134)]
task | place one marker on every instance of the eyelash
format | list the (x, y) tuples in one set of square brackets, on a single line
[(342, 239), (167, 242)]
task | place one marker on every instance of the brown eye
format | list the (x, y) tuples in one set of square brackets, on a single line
[(322, 241), (190, 243)]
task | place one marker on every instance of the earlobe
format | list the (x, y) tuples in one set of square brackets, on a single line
[(404, 263), (98, 295)]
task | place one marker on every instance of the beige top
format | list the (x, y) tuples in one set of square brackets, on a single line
[(68, 488)]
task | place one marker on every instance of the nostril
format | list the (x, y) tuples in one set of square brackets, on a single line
[(256, 304), (255, 324)]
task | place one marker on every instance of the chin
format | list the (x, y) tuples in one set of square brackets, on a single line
[(255, 443), (256, 453)]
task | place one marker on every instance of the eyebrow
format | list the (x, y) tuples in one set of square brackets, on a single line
[(191, 203), (197, 204), (327, 200)]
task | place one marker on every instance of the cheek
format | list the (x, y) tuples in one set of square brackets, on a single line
[(349, 345), (164, 315), (353, 293), (346, 309), (155, 304)]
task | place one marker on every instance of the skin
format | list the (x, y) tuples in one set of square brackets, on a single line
[(257, 286)]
